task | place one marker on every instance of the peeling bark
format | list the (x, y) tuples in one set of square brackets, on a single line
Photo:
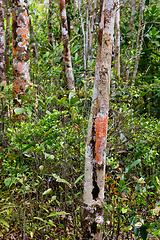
[(67, 53), (2, 46), (20, 46), (95, 155)]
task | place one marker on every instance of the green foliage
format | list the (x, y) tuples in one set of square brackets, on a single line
[(42, 147)]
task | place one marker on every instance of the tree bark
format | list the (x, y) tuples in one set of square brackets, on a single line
[(50, 23), (8, 36), (20, 46), (141, 27), (67, 53), (2, 46), (117, 41), (95, 156)]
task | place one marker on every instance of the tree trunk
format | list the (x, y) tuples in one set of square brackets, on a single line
[(50, 23), (67, 54), (20, 46), (95, 156), (2, 46), (8, 36), (117, 41), (141, 27)]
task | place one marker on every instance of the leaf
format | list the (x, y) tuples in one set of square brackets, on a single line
[(143, 232), (19, 111), (53, 214), (7, 181), (4, 223), (124, 210), (61, 180), (124, 199), (136, 231), (41, 168), (141, 180), (48, 191), (128, 169), (41, 219), (138, 224), (78, 179), (157, 232), (53, 198), (51, 223), (157, 210)]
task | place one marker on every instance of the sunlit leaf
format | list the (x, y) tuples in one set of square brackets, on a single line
[(48, 191), (53, 214), (138, 224), (4, 223), (7, 181), (61, 180), (78, 179), (19, 111)]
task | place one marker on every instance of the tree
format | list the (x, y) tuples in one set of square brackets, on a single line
[(50, 23), (2, 46), (20, 47), (8, 36), (117, 41), (67, 54), (95, 155)]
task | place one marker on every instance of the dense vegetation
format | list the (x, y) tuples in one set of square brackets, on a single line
[(42, 143)]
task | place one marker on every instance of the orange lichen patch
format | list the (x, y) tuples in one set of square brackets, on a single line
[(24, 36), (101, 133), (23, 57), (18, 86), (25, 42), (23, 32), (14, 51)]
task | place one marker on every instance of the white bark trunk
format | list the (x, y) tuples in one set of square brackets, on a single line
[(95, 156)]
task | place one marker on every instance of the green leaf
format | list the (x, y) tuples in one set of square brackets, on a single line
[(4, 223), (53, 198), (78, 179), (7, 181), (143, 232), (41, 219), (156, 233), (19, 111), (129, 168), (48, 191), (61, 180), (41, 168), (51, 223), (53, 214), (124, 210), (136, 231)]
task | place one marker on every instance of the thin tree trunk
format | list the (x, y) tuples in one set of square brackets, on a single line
[(8, 36), (2, 46), (130, 29), (117, 41), (95, 156), (84, 41), (132, 17), (50, 23), (67, 53), (20, 47), (139, 45)]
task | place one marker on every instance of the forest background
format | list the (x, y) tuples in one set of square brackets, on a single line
[(43, 131)]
